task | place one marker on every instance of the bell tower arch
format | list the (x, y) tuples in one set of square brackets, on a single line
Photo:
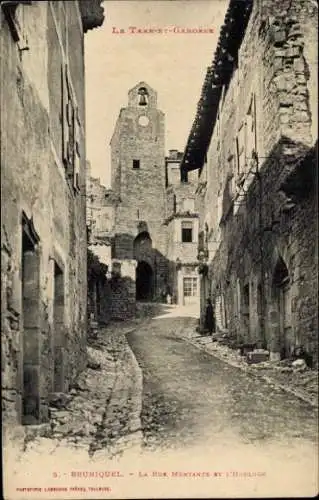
[(138, 177), (142, 96)]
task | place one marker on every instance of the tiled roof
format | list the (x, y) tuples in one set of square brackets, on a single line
[(218, 74)]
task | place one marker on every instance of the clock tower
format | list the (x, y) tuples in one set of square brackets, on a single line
[(138, 180)]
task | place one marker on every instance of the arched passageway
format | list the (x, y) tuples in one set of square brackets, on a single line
[(142, 247), (144, 281), (282, 308)]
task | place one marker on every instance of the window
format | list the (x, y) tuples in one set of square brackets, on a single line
[(103, 224), (250, 130), (187, 232), (190, 287), (136, 164), (228, 196), (70, 131), (240, 144)]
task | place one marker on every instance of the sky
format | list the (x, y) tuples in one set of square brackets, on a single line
[(174, 64)]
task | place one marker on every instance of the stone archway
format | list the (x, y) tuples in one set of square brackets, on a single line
[(142, 247), (280, 311), (144, 281)]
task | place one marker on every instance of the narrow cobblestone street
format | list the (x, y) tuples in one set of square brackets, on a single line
[(176, 412), (194, 401)]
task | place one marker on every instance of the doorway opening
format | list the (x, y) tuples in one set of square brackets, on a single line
[(281, 293), (59, 330), (245, 312), (31, 326), (190, 289), (144, 281)]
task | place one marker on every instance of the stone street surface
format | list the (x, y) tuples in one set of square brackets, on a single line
[(173, 420), (195, 401)]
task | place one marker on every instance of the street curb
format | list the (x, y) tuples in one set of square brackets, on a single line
[(269, 380), (136, 423), (134, 436)]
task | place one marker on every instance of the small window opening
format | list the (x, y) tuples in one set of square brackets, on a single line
[(187, 232), (136, 164)]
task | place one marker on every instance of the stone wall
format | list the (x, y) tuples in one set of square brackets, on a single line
[(254, 224), (123, 290), (43, 312)]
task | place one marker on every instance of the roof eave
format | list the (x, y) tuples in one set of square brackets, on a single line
[(92, 14), (217, 75)]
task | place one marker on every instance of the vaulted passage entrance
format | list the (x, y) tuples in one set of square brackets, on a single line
[(144, 281), (280, 325), (281, 294)]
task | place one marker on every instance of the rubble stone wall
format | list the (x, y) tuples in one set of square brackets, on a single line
[(123, 291), (34, 183), (261, 228)]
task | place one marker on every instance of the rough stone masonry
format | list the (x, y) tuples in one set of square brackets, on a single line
[(43, 227), (260, 199)]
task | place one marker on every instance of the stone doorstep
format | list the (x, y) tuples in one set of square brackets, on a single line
[(247, 368)]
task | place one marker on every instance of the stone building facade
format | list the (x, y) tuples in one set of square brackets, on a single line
[(100, 213), (182, 232), (254, 143), (43, 226)]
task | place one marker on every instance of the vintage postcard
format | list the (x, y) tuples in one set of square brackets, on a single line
[(159, 254)]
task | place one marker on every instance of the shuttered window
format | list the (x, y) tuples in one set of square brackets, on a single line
[(71, 131)]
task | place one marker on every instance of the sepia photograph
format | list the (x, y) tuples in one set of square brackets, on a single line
[(159, 249)]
